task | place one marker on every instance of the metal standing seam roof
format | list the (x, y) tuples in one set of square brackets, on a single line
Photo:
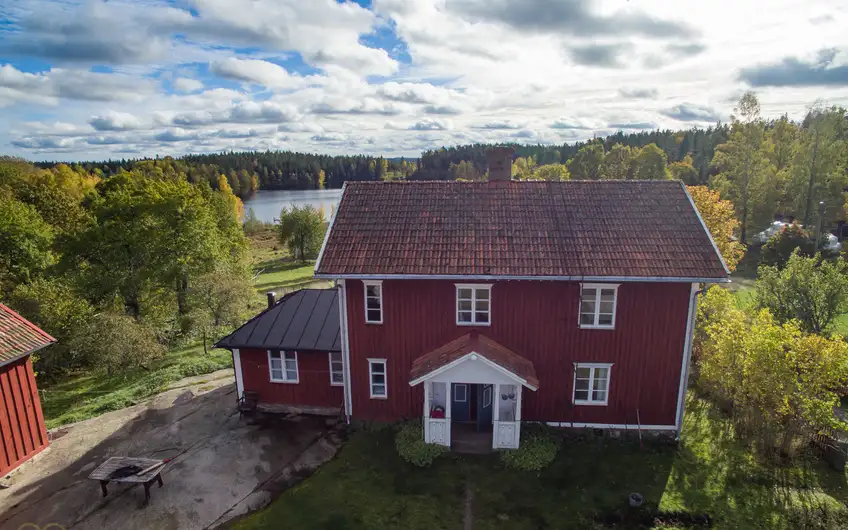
[(19, 337), (304, 320), (639, 229)]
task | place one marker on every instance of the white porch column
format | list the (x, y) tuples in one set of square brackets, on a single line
[(496, 414), (427, 411), (518, 415), (448, 401)]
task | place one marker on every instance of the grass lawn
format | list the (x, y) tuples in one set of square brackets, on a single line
[(368, 486), (85, 396), (275, 269)]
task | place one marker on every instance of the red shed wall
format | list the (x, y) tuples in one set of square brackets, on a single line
[(538, 320), (22, 431), (313, 389)]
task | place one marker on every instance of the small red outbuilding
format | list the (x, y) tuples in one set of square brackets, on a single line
[(22, 430)]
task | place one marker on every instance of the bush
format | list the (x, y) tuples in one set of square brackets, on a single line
[(537, 450), (411, 446), (776, 251), (113, 342)]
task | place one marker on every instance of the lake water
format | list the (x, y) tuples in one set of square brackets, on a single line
[(266, 204)]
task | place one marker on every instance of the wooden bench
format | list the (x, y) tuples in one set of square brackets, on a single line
[(247, 403)]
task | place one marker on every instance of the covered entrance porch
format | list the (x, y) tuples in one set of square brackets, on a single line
[(473, 388)]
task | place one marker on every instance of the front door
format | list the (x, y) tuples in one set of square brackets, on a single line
[(460, 405), (484, 406)]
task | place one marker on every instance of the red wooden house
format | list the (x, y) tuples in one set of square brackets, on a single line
[(22, 431), (492, 303)]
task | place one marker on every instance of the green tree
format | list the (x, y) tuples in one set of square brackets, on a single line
[(745, 175), (777, 250), (551, 172), (808, 290), (302, 229), (821, 162), (25, 242), (222, 297), (649, 163), (113, 342), (684, 171), (616, 165), (586, 164), (523, 168)]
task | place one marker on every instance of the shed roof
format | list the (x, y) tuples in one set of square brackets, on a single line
[(19, 337), (304, 320), (578, 229)]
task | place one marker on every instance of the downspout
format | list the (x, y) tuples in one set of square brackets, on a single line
[(348, 401), (687, 357)]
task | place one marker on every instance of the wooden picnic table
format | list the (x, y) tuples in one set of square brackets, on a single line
[(104, 472)]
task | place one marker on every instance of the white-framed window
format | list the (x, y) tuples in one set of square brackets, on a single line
[(597, 305), (473, 304), (591, 383), (336, 369), (373, 302), (283, 366), (460, 392), (487, 396), (377, 377)]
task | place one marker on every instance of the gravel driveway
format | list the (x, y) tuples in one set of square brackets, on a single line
[(222, 466)]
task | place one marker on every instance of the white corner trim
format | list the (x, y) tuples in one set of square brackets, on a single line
[(704, 226), (687, 357), (239, 377), (468, 357), (348, 401), (329, 229)]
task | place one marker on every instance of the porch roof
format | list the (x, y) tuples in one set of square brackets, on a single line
[(455, 351)]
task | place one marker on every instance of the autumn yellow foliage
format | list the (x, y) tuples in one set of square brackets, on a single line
[(721, 221)]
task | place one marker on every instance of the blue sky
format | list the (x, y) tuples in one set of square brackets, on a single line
[(93, 79)]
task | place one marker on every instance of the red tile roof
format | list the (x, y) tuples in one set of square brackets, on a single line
[(480, 344), (529, 228), (19, 336)]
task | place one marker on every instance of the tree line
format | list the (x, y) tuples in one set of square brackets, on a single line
[(119, 268)]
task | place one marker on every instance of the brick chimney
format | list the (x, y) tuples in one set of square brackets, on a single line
[(499, 160)]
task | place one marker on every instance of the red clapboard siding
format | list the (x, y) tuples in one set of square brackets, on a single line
[(314, 388), (22, 430), (537, 320)]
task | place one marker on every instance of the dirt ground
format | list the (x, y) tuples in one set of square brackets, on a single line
[(222, 466)]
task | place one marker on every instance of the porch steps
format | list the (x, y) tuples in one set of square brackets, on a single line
[(472, 447)]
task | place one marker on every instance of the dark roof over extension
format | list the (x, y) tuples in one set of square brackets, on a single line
[(303, 320), (589, 229), (19, 337)]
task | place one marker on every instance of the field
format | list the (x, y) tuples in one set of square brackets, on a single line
[(710, 475)]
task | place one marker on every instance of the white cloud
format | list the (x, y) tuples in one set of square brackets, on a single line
[(184, 84), (115, 121), (259, 72)]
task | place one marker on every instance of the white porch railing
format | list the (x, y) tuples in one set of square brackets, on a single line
[(506, 434), (437, 431)]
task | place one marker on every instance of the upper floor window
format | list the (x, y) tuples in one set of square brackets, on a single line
[(591, 383), (373, 302), (283, 366), (597, 305), (336, 369), (473, 304)]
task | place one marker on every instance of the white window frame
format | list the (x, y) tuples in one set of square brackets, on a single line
[(590, 401), (371, 363), (474, 287), (339, 362), (379, 285), (457, 386), (598, 287), (487, 398), (285, 379)]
